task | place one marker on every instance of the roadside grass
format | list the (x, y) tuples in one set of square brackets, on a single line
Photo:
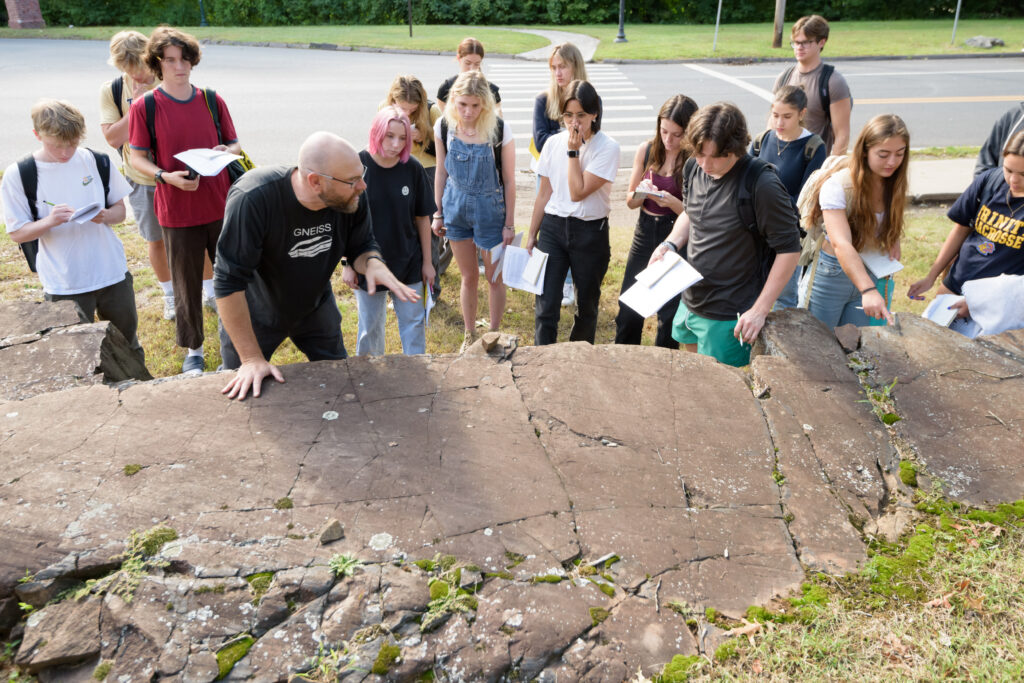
[(948, 152), (645, 41), (927, 228)]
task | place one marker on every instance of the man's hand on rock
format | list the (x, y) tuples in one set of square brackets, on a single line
[(250, 375)]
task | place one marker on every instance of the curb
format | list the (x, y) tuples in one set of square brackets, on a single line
[(831, 58)]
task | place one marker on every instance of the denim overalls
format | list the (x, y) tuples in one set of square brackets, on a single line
[(474, 199)]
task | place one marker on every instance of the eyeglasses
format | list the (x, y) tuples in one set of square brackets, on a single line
[(569, 116), (802, 43), (350, 183)]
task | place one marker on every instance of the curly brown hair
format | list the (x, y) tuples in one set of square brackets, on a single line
[(162, 38), (721, 123)]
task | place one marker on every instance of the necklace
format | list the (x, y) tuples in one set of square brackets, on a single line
[(782, 149), (469, 133), (1013, 211)]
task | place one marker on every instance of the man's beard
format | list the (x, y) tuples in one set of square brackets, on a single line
[(337, 204)]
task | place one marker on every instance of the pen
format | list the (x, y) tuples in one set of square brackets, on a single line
[(50, 203), (742, 343)]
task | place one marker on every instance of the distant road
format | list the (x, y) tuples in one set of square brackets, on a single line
[(278, 96)]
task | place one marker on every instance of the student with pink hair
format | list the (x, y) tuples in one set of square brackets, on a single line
[(400, 206)]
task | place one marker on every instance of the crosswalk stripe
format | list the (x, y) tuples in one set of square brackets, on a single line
[(614, 107), (605, 98)]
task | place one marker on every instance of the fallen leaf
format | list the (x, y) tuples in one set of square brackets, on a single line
[(756, 667), (748, 630), (974, 603), (941, 602), (963, 585)]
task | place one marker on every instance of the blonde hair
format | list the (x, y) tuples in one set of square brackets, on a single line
[(572, 56), (127, 49), (473, 84), (410, 89), (58, 119)]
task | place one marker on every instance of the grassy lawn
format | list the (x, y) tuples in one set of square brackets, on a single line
[(645, 41)]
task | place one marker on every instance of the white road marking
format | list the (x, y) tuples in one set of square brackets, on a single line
[(760, 92)]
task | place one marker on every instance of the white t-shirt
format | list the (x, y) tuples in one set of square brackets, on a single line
[(833, 197), (74, 257), (599, 156)]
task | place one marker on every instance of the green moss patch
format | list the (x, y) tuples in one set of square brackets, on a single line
[(230, 654), (387, 656), (679, 669), (598, 615), (908, 473)]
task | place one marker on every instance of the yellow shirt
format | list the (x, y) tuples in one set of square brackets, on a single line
[(109, 114)]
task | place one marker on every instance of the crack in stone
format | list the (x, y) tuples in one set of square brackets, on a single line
[(778, 468)]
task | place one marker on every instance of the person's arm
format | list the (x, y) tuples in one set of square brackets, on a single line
[(140, 162), (635, 176), (371, 265), (542, 128), (678, 238), (508, 179), (582, 184), (543, 195), (59, 215), (440, 179), (233, 310), (840, 113), (837, 226), (423, 229), (116, 134), (950, 248), (111, 215)]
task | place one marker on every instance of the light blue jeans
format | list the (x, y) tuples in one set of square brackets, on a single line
[(788, 296), (835, 300), (373, 314)]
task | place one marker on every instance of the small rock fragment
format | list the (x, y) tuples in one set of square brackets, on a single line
[(848, 336), (331, 531), (489, 340)]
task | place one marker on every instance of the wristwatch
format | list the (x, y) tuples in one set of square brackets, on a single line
[(573, 153), (159, 176)]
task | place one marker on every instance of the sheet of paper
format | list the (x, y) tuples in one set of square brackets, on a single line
[(640, 194), (498, 251), (515, 263), (650, 275), (966, 326), (647, 300), (86, 213), (880, 264), (428, 302), (938, 310), (208, 162)]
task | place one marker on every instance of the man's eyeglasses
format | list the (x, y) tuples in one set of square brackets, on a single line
[(801, 43), (350, 183)]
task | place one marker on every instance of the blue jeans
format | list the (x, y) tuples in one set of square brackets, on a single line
[(473, 202), (373, 313), (834, 299), (788, 297)]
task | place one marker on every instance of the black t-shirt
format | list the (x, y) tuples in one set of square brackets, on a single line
[(721, 247), (442, 92), (996, 246), (280, 253), (397, 195)]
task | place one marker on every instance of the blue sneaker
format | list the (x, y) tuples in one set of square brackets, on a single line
[(193, 365)]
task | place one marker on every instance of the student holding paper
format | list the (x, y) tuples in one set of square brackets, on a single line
[(577, 168), (656, 187), (988, 236), (861, 201)]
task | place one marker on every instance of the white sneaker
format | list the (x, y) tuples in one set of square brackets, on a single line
[(210, 302), (168, 307), (568, 294)]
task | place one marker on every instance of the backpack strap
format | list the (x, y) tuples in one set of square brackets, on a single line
[(758, 141), (117, 90), (812, 147), (444, 134), (689, 168), (826, 99), (210, 97), (29, 182), (497, 150), (149, 99), (786, 76), (103, 166), (745, 192)]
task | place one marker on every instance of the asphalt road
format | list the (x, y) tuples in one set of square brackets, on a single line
[(278, 96)]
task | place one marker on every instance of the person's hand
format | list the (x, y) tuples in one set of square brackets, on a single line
[(917, 290), (874, 306), (575, 138), (180, 180), (220, 148), (659, 253), (139, 89), (668, 201), (437, 227), (60, 214), (428, 273), (962, 311), (748, 326), (531, 242), (378, 275), (100, 218), (350, 277), (507, 235), (250, 375)]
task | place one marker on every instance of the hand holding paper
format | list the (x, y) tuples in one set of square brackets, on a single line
[(658, 283), (208, 162)]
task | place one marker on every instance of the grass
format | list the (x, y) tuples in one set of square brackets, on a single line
[(645, 41), (927, 228), (948, 152)]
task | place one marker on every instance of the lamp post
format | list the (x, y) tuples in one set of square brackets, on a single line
[(202, 15), (621, 38)]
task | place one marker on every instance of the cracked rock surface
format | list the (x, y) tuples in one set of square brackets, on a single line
[(527, 517)]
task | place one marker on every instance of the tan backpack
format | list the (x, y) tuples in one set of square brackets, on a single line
[(810, 214)]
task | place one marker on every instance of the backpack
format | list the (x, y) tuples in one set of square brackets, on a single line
[(30, 183), (807, 206), (810, 149), (236, 168), (823, 94), (496, 145), (117, 90), (745, 204)]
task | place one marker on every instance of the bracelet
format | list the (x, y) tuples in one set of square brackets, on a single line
[(510, 227), (671, 245), (437, 217), (374, 256), (868, 289)]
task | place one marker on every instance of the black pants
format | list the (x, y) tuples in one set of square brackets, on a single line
[(318, 335), (580, 246), (629, 325)]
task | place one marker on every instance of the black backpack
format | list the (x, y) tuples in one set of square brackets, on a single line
[(754, 167), (30, 183), (496, 145)]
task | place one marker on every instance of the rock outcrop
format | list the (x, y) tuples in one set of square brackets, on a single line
[(524, 512)]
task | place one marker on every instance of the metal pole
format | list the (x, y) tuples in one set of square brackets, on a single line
[(202, 14), (410, 18), (956, 19), (718, 20), (780, 18), (621, 38)]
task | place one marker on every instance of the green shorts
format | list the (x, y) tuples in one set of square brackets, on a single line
[(713, 337)]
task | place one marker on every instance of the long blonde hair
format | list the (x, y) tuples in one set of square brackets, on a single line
[(473, 84), (860, 210), (410, 89), (572, 56)]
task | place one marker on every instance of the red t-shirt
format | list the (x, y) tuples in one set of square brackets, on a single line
[(182, 125)]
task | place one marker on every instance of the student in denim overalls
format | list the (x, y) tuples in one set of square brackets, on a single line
[(477, 206)]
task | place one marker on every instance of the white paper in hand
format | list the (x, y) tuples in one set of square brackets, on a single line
[(498, 251), (86, 213), (880, 264), (208, 162), (647, 299), (939, 311), (523, 271)]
